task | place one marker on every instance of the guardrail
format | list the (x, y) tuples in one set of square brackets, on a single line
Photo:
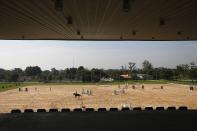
[(171, 108)]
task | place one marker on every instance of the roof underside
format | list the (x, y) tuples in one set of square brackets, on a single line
[(99, 19)]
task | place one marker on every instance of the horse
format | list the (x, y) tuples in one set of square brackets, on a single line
[(191, 88), (77, 95)]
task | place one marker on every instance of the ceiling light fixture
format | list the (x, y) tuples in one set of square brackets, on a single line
[(59, 5), (78, 32), (179, 33), (134, 32), (162, 22), (126, 5), (69, 20)]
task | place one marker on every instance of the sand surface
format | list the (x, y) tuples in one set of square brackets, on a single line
[(61, 96)]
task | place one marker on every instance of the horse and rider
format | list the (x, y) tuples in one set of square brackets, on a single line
[(77, 95)]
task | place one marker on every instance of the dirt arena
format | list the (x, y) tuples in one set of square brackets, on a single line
[(61, 96)]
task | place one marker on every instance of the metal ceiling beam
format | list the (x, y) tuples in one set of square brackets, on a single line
[(98, 19)]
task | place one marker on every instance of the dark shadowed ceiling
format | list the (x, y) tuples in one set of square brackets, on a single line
[(99, 19)]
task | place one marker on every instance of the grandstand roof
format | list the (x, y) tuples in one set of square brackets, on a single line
[(99, 19)]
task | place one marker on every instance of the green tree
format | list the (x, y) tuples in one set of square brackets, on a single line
[(33, 71), (193, 74), (182, 71), (80, 72), (50, 77), (13, 76), (2, 75), (44, 76), (147, 67), (166, 73), (131, 69), (86, 76)]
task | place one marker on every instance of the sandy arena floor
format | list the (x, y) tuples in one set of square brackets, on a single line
[(61, 96)]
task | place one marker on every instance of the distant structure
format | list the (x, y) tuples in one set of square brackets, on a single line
[(106, 79), (144, 77), (126, 76)]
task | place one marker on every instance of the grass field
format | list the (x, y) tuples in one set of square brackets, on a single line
[(61, 96), (9, 86)]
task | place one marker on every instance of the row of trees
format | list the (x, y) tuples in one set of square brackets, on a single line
[(36, 74), (183, 71)]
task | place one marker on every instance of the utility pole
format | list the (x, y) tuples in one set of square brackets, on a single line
[(91, 75), (100, 75), (156, 73)]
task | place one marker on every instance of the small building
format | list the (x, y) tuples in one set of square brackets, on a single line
[(126, 76), (193, 66), (106, 79), (144, 77)]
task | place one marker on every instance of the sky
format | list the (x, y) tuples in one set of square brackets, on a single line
[(94, 54)]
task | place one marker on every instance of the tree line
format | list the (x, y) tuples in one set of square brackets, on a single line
[(81, 74)]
